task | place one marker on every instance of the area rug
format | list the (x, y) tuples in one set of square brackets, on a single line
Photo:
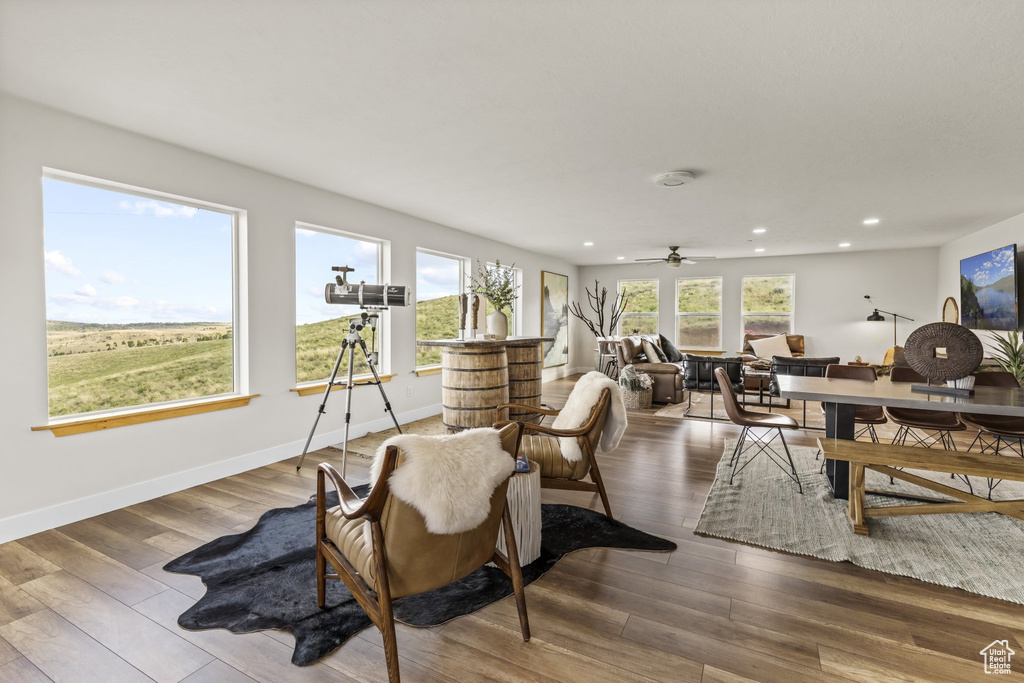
[(701, 406), (365, 446), (980, 553), (265, 578)]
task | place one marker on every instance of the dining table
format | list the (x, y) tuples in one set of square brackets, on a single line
[(841, 397)]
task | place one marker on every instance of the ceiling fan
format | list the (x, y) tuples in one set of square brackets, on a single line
[(674, 259)]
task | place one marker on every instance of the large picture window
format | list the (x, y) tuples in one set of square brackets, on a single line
[(321, 327), (699, 313), (440, 279), (768, 304), (641, 313), (140, 296)]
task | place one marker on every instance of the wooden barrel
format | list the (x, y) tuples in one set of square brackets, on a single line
[(474, 382), (524, 377)]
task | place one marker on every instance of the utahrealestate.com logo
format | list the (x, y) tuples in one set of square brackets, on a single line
[(997, 657)]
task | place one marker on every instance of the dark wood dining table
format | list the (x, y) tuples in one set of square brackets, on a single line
[(842, 396)]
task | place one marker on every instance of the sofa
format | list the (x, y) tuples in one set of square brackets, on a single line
[(676, 372), (667, 375), (750, 357)]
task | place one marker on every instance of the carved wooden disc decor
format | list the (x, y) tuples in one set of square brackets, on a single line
[(963, 351)]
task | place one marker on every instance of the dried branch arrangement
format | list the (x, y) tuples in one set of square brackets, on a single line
[(598, 300)]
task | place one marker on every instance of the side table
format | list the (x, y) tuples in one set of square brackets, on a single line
[(524, 507)]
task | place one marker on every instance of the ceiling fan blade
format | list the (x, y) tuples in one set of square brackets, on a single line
[(687, 261), (650, 259), (700, 258)]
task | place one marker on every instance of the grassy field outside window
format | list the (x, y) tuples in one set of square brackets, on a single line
[(140, 296), (699, 313), (768, 304), (641, 313)]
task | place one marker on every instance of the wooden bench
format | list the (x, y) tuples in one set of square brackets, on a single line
[(885, 458)]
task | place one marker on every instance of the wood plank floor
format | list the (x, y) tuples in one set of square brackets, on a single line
[(90, 602)]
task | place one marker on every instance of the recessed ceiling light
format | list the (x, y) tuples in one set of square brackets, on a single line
[(674, 178), (844, 244), (588, 244), (759, 249), (760, 231), (620, 258), (870, 221)]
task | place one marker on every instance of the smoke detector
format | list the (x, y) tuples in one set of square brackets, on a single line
[(674, 178)]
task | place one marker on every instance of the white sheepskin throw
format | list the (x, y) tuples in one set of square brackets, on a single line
[(577, 409), (448, 479)]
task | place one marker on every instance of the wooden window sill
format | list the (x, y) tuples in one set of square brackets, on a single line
[(94, 424), (428, 370), (318, 388)]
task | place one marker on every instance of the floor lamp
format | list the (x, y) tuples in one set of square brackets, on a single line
[(877, 317)]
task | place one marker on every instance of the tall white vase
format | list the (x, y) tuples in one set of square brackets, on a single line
[(497, 324)]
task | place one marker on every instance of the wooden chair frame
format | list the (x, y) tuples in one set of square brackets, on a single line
[(596, 485), (378, 604)]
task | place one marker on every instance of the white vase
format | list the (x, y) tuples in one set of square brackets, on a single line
[(497, 324)]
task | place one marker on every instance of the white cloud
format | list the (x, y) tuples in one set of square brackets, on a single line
[(86, 290), (158, 209), (58, 262), (113, 277), (159, 309), (126, 302), (302, 232)]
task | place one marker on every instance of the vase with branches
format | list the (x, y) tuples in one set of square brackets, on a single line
[(497, 284), (598, 301)]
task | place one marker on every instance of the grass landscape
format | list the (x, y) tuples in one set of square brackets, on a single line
[(102, 367)]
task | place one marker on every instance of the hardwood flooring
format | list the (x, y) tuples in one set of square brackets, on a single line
[(90, 602)]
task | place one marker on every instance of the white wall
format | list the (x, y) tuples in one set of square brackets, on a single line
[(47, 481), (1010, 231), (830, 308)]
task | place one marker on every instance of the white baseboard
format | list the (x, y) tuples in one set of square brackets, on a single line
[(28, 523)]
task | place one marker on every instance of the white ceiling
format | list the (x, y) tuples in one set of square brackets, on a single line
[(541, 123)]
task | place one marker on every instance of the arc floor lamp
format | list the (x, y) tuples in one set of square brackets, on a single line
[(877, 316)]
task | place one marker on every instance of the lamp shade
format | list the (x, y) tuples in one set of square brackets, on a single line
[(876, 317)]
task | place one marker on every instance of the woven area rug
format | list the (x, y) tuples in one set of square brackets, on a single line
[(980, 553), (701, 407), (265, 578)]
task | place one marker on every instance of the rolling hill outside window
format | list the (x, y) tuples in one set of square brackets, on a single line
[(641, 312), (699, 313), (768, 304), (440, 279), (140, 296), (320, 327)]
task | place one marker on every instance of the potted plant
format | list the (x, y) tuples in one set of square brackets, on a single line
[(498, 286), (1009, 353)]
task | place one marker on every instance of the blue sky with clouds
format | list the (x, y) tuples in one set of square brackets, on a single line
[(985, 269), (113, 257), (315, 253)]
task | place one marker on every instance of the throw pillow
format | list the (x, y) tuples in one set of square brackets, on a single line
[(671, 352), (630, 349), (653, 353), (771, 346)]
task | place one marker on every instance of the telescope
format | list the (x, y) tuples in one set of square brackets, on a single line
[(364, 295)]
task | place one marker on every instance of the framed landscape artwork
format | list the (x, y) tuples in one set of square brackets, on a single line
[(554, 317), (988, 290)]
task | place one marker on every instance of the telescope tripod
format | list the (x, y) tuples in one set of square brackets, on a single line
[(352, 339)]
